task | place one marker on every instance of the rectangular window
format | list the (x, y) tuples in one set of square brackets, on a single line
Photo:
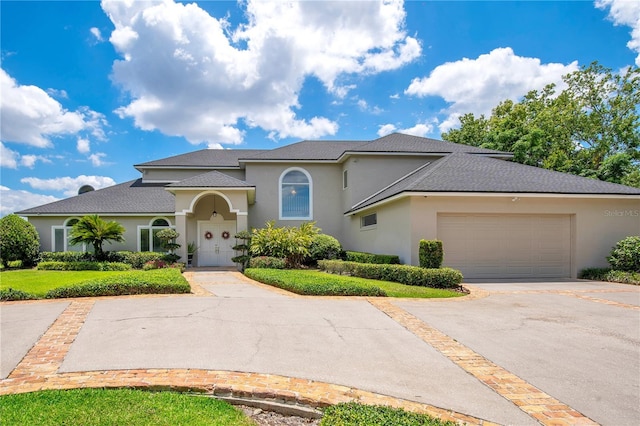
[(58, 239), (144, 239), (369, 220), (345, 182)]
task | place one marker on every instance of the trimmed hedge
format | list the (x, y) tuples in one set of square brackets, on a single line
[(12, 294), (430, 253), (403, 274), (313, 285), (356, 414), (362, 257), (267, 262), (607, 274), (83, 266), (160, 281), (136, 259)]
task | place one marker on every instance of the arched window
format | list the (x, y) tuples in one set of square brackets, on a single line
[(147, 235), (62, 234), (296, 195)]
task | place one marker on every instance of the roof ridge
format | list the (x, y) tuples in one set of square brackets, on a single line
[(391, 184)]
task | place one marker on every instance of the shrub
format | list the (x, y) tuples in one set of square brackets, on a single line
[(431, 253), (19, 240), (160, 264), (355, 414), (267, 262), (288, 243), (625, 256), (66, 256), (162, 281), (312, 284), (83, 266), (244, 257), (607, 274), (138, 259), (403, 274), (324, 246), (362, 257), (12, 294)]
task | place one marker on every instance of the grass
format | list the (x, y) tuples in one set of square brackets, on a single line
[(318, 283), (354, 414), (56, 284), (117, 407)]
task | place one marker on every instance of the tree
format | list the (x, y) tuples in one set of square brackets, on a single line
[(591, 128), (93, 230), (19, 240), (168, 238)]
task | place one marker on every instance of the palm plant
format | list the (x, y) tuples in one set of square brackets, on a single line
[(91, 229)]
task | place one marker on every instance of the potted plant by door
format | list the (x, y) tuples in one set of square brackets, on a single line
[(191, 250)]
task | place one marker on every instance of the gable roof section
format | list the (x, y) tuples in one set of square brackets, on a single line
[(306, 151), (204, 158), (133, 197), (212, 179), (466, 173)]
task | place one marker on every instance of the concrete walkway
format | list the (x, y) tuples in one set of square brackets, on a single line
[(513, 353)]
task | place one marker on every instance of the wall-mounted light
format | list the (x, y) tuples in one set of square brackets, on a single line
[(215, 213)]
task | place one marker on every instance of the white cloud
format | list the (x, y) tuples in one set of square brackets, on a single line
[(15, 200), (68, 184), (96, 159), (8, 157), (83, 146), (96, 33), (32, 117), (58, 93), (30, 160), (420, 129), (208, 77), (395, 96), (478, 85), (625, 12)]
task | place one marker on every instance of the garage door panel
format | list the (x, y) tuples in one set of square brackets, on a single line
[(507, 246)]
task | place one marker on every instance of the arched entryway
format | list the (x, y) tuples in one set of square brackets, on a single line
[(215, 225)]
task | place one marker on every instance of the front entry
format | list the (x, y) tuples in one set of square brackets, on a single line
[(213, 248)]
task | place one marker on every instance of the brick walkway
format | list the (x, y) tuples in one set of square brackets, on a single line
[(38, 370)]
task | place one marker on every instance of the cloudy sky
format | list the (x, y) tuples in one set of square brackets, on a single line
[(87, 88)]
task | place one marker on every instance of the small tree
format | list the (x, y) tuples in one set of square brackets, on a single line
[(168, 240), (19, 240), (91, 229), (243, 258)]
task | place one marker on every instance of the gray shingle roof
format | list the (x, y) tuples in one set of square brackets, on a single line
[(129, 197), (468, 173), (204, 158), (308, 150), (212, 179), (398, 142)]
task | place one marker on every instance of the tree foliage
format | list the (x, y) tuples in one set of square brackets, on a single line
[(591, 128), (91, 229), (19, 240)]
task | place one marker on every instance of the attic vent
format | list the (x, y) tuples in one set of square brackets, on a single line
[(85, 188)]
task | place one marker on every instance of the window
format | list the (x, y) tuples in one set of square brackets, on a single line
[(344, 179), (296, 194), (369, 220), (62, 235), (148, 235)]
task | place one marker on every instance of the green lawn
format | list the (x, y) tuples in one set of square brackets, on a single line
[(39, 282), (319, 283), (98, 407)]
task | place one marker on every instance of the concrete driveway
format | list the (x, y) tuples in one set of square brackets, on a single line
[(534, 346)]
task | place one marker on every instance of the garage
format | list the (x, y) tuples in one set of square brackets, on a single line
[(507, 246)]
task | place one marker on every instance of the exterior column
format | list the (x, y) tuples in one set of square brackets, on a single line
[(181, 228), (242, 221)]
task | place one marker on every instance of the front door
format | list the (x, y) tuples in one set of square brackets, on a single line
[(214, 249)]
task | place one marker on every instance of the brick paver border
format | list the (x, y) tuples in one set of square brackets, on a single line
[(537, 404)]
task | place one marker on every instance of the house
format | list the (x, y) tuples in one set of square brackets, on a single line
[(496, 218)]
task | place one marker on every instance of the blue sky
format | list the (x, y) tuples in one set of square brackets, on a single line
[(88, 89)]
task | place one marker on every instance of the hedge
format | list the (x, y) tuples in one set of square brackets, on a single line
[(609, 275), (161, 281), (430, 253), (362, 257), (403, 274), (267, 262), (12, 294), (136, 259), (83, 266)]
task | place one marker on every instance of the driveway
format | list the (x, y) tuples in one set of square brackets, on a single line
[(537, 349)]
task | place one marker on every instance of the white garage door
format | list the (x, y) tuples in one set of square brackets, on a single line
[(507, 246)]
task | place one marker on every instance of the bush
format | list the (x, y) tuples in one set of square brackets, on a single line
[(431, 253), (19, 240), (311, 284), (161, 281), (267, 262), (288, 243), (322, 247), (355, 414), (362, 257), (67, 256), (403, 274), (137, 259), (83, 266), (11, 294), (625, 256), (160, 264), (607, 274)]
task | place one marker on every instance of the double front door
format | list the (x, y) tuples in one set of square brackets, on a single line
[(214, 249)]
